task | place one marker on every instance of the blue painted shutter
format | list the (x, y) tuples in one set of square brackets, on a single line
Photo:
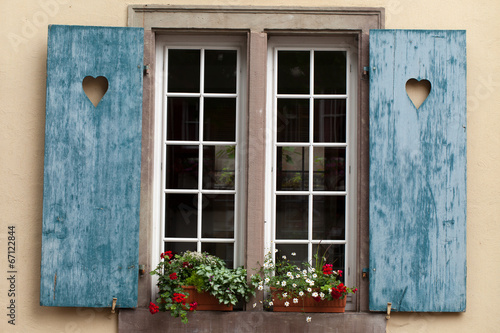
[(92, 168), (417, 172)]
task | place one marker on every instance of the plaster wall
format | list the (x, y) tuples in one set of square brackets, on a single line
[(23, 36)]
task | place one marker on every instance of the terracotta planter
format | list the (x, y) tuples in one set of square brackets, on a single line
[(308, 304), (206, 302)]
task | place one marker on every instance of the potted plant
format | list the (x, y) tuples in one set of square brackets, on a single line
[(197, 281), (307, 288)]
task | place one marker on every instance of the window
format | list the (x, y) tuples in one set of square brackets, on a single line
[(200, 106), (311, 165)]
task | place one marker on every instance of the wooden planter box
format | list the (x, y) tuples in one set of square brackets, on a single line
[(308, 304), (206, 301)]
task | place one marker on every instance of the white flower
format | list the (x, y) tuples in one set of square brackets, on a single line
[(266, 280), (254, 305), (309, 290), (315, 275), (322, 295), (261, 287), (304, 272), (313, 269), (308, 319), (271, 303), (261, 282), (289, 274), (285, 295), (294, 285), (297, 276), (314, 294), (284, 257), (275, 250), (308, 281), (301, 293), (287, 303), (311, 283), (283, 283), (295, 300), (294, 254), (277, 283)]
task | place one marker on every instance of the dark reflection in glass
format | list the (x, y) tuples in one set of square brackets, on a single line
[(296, 254), (181, 167), (292, 169), (218, 167), (181, 215), (183, 114), (291, 216), (184, 71), (225, 251), (330, 120), (329, 169), (219, 122), (179, 247), (329, 217), (293, 120), (334, 254), (293, 72), (329, 72), (220, 71), (218, 216)]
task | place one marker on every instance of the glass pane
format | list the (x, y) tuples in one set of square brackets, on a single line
[(218, 216), (184, 71), (292, 169), (179, 247), (182, 167), (329, 169), (225, 251), (299, 251), (219, 122), (328, 217), (181, 215), (293, 72), (334, 254), (291, 216), (183, 118), (330, 120), (329, 72), (220, 71), (218, 167), (293, 120)]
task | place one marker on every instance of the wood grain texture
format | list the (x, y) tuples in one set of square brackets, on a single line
[(92, 168), (418, 172)]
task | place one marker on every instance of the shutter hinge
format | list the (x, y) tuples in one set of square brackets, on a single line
[(146, 69), (364, 273), (366, 72)]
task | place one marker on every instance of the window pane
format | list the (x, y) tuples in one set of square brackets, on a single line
[(182, 167), (181, 215), (178, 247), (218, 216), (291, 216), (293, 72), (218, 167), (334, 254), (219, 119), (292, 169), (225, 251), (329, 169), (184, 71), (220, 71), (183, 118), (329, 217), (329, 72), (300, 251), (330, 120), (293, 120)]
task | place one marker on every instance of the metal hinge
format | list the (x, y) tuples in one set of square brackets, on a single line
[(146, 69), (366, 72)]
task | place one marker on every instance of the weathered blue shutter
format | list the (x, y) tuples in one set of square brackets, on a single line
[(92, 168), (417, 172)]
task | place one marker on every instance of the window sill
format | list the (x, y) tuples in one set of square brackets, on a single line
[(140, 320)]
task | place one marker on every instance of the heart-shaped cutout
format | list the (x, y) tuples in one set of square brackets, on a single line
[(418, 91), (95, 88)]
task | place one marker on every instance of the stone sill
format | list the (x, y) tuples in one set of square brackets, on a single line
[(140, 320)]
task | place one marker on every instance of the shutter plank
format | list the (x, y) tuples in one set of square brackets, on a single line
[(92, 168), (417, 172)]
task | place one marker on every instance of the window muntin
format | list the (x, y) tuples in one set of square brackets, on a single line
[(313, 145), (200, 149)]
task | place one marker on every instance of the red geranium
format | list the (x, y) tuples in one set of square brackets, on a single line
[(173, 276), (179, 298), (167, 254), (153, 308), (339, 291), (328, 269), (193, 306)]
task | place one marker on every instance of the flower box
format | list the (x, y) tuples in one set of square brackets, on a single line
[(206, 301), (308, 304)]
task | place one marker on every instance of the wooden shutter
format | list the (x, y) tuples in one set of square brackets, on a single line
[(417, 172), (92, 168)]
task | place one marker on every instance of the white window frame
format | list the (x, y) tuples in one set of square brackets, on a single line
[(308, 43), (207, 42)]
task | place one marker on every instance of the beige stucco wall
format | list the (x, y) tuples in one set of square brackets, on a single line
[(23, 33)]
